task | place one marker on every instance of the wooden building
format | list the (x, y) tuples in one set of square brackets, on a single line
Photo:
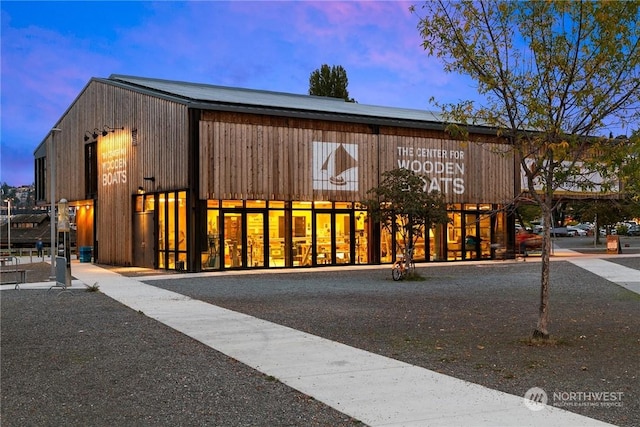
[(176, 175)]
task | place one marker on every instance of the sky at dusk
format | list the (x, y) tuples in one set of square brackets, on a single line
[(50, 51)]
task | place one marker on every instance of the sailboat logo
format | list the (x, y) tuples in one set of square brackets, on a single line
[(336, 166)]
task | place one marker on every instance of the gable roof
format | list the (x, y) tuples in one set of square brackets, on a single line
[(212, 97)]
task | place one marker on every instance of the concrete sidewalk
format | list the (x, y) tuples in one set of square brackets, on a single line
[(376, 390), (626, 277)]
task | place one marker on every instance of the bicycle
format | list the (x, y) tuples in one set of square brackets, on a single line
[(401, 268)]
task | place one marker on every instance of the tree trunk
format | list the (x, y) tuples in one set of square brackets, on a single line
[(542, 328)]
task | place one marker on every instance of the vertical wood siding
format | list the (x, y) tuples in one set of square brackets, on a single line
[(260, 161), (161, 152)]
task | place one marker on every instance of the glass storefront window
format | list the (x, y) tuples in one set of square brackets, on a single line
[(343, 205), (161, 231), (211, 258), (301, 233), (255, 239), (149, 202), (343, 238), (232, 204), (454, 236), (256, 204), (402, 235), (322, 205), (386, 245), (171, 224), (277, 233), (323, 238), (419, 249), (484, 231), (233, 242), (472, 237), (182, 221), (172, 230), (362, 237), (301, 205), (301, 236)]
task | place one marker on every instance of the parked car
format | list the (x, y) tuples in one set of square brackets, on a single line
[(585, 226), (559, 232), (612, 231), (575, 231), (633, 230)]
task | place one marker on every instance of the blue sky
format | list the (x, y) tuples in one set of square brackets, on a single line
[(50, 50)]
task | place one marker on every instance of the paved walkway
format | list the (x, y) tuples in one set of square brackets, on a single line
[(376, 390), (624, 276)]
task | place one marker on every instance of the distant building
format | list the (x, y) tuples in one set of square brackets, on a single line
[(26, 229)]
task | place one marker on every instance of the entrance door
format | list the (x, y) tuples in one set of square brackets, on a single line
[(472, 236), (477, 235), (143, 250), (232, 240)]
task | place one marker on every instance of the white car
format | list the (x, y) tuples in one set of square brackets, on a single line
[(575, 231)]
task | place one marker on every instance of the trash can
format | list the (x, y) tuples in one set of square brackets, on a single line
[(85, 254)]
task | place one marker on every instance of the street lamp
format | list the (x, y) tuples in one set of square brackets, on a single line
[(52, 189), (9, 226)]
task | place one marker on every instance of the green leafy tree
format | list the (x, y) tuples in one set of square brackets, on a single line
[(627, 161), (605, 212), (8, 193), (526, 213), (554, 75), (330, 81), (401, 199)]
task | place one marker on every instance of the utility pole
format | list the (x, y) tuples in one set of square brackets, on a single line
[(52, 189), (9, 225)]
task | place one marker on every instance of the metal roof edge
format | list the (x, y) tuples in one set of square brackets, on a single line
[(123, 84), (312, 114), (367, 111)]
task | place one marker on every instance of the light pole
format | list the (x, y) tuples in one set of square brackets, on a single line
[(52, 189), (9, 225)]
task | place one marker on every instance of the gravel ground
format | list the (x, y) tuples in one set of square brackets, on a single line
[(83, 359)]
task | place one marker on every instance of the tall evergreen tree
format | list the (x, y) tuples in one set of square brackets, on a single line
[(330, 81)]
